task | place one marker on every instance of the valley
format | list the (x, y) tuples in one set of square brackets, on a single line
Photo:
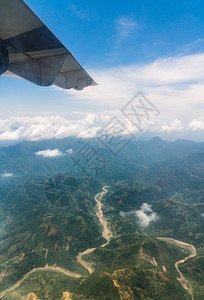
[(106, 233), (95, 238)]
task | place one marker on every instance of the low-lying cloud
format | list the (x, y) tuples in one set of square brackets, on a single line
[(6, 175), (69, 151), (49, 153), (144, 215)]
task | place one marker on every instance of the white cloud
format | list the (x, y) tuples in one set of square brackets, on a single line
[(196, 125), (174, 84), (145, 215), (90, 132), (174, 126), (69, 151), (82, 13), (7, 175), (49, 153), (192, 46), (90, 118), (125, 27), (56, 127), (38, 127)]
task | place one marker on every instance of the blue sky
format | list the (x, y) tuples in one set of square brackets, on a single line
[(108, 33), (156, 47)]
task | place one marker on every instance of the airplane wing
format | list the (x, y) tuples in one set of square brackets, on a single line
[(30, 50)]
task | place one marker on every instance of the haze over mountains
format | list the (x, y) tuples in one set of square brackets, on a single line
[(55, 154)]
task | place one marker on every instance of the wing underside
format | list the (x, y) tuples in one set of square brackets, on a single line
[(31, 51)]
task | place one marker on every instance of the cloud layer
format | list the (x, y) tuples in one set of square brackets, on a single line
[(174, 84), (39, 127)]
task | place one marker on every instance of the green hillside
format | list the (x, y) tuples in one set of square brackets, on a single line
[(49, 214)]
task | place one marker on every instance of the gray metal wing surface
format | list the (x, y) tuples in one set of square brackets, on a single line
[(30, 50)]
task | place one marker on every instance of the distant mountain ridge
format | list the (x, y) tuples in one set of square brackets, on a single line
[(22, 158)]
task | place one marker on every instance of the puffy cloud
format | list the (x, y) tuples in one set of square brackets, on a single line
[(90, 118), (90, 132), (7, 175), (174, 126), (145, 215), (49, 153), (196, 125), (87, 126), (40, 127)]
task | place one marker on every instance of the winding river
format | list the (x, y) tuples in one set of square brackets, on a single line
[(106, 233), (192, 250)]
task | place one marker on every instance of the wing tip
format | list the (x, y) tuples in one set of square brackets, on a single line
[(93, 83)]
